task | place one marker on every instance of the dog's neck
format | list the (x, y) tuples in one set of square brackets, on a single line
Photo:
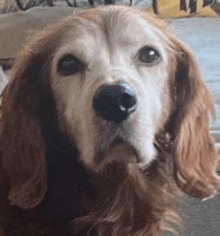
[(68, 182)]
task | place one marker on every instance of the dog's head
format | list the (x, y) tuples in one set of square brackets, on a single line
[(121, 88), (111, 85)]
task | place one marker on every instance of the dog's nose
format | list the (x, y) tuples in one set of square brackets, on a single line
[(115, 102)]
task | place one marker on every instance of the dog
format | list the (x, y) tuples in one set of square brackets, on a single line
[(105, 119)]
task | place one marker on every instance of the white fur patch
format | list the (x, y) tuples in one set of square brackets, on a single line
[(111, 56)]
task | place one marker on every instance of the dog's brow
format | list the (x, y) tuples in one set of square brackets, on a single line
[(92, 15)]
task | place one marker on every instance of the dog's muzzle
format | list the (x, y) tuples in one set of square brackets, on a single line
[(115, 102)]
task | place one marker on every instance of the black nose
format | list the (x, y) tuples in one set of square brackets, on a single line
[(115, 102)]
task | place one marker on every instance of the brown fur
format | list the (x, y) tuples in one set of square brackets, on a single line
[(120, 199)]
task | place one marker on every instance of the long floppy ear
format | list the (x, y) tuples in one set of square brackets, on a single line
[(194, 152), (26, 108)]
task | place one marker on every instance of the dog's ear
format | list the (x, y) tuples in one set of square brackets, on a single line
[(194, 152), (26, 106)]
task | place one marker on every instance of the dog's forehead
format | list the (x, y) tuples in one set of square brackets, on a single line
[(103, 32), (118, 24)]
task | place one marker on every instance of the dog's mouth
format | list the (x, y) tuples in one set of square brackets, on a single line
[(120, 152)]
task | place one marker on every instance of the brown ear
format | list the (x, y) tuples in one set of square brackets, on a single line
[(27, 119), (24, 102), (195, 156)]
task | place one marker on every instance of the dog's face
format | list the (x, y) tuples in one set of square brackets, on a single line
[(119, 85), (110, 80)]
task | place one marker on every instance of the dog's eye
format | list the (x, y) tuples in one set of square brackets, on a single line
[(69, 65), (148, 55)]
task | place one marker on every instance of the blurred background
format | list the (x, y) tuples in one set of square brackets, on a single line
[(197, 22)]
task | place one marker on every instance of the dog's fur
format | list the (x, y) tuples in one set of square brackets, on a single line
[(68, 171)]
